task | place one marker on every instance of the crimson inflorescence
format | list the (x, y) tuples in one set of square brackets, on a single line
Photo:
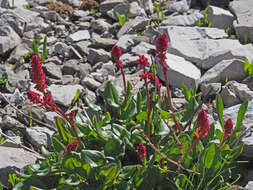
[(228, 126), (203, 123), (72, 146), (141, 151)]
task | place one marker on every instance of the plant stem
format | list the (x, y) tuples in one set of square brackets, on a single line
[(125, 85), (148, 104), (170, 101)]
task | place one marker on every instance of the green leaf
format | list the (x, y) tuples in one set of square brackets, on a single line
[(91, 105), (76, 97), (139, 102), (109, 172), (209, 156), (4, 77), (190, 108), (57, 145), (219, 109), (241, 114), (130, 111), (45, 52), (93, 158), (106, 118), (111, 95), (127, 14), (72, 161), (120, 18), (114, 147), (1, 186), (142, 116), (65, 136), (164, 114), (218, 134), (45, 152)]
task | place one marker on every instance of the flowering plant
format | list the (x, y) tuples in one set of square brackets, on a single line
[(132, 143)]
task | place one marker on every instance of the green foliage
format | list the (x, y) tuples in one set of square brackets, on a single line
[(230, 33), (35, 48), (159, 13), (204, 22), (3, 78), (95, 13), (110, 135), (248, 67), (123, 19)]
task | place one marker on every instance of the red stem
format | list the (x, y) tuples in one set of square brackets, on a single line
[(170, 101), (148, 103)]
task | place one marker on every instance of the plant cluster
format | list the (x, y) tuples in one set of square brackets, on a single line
[(63, 9), (248, 67), (159, 13), (123, 18), (131, 142), (205, 22)]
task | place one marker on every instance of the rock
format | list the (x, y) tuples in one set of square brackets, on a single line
[(243, 11), (17, 98), (235, 93), (71, 67), (74, 3), (105, 43), (18, 53), (143, 48), (98, 55), (108, 5), (210, 89), (249, 82), (217, 3), (17, 23), (180, 72), (135, 25), (77, 14), (9, 39), (19, 3), (249, 186), (14, 159), (129, 59), (232, 112), (100, 26), (125, 42), (10, 123), (233, 69), (90, 83), (83, 47), (39, 136), (4, 4), (148, 6), (178, 6), (220, 18), (64, 94), (49, 117), (79, 35), (182, 20), (200, 44), (52, 70)]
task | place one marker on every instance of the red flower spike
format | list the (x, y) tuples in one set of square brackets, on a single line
[(72, 147), (38, 75), (141, 151), (48, 102), (119, 64), (228, 126), (142, 61), (116, 53), (203, 123), (33, 97), (162, 43)]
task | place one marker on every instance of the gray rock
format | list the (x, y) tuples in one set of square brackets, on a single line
[(210, 89), (180, 72), (49, 117), (84, 70), (107, 69), (83, 47), (4, 4), (8, 39), (10, 123), (249, 186), (14, 159), (79, 35), (77, 14), (16, 22), (135, 25), (125, 42), (39, 136), (64, 94), (17, 98), (182, 20), (217, 3), (232, 112), (249, 82), (71, 67), (18, 53), (244, 23), (178, 6), (19, 3), (74, 3), (232, 69), (129, 59), (220, 18), (108, 5), (98, 55), (52, 70), (142, 48), (148, 6), (200, 44), (90, 83), (105, 43), (43, 2), (100, 26), (234, 93)]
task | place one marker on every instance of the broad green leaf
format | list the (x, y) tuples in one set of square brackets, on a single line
[(209, 156), (130, 111), (120, 18), (164, 114), (109, 172), (106, 118), (58, 146), (139, 102), (187, 93), (93, 158), (190, 108), (219, 109), (111, 95), (218, 134), (142, 116), (76, 96), (65, 136), (241, 114), (114, 148), (92, 105), (45, 52), (71, 161)]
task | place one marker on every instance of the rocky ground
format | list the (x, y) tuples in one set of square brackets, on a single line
[(80, 36)]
